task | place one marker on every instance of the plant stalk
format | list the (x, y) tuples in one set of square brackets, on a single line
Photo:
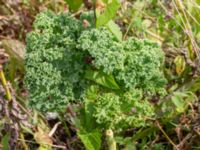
[(5, 85), (110, 140)]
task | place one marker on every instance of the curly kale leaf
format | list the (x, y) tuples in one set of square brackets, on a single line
[(134, 63), (142, 66), (122, 111), (104, 48), (54, 66), (107, 109)]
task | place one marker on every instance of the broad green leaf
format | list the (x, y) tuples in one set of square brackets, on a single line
[(180, 64), (179, 103), (108, 14), (89, 121), (85, 120), (5, 141), (102, 79), (92, 92), (105, 1), (91, 140), (194, 85), (173, 88), (74, 4), (144, 132), (131, 146), (115, 29)]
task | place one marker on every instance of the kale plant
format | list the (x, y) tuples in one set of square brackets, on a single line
[(65, 58)]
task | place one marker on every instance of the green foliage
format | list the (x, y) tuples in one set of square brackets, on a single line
[(67, 62), (53, 66), (107, 109), (142, 66), (122, 111), (178, 103), (91, 140), (114, 28), (89, 133), (61, 56), (134, 63), (194, 85), (108, 14), (109, 83), (74, 4), (101, 78), (104, 47), (5, 141)]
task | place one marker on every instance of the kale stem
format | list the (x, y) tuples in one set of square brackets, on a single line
[(110, 140), (94, 10)]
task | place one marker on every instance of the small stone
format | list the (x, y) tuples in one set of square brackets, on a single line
[(51, 115), (133, 110), (85, 23)]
